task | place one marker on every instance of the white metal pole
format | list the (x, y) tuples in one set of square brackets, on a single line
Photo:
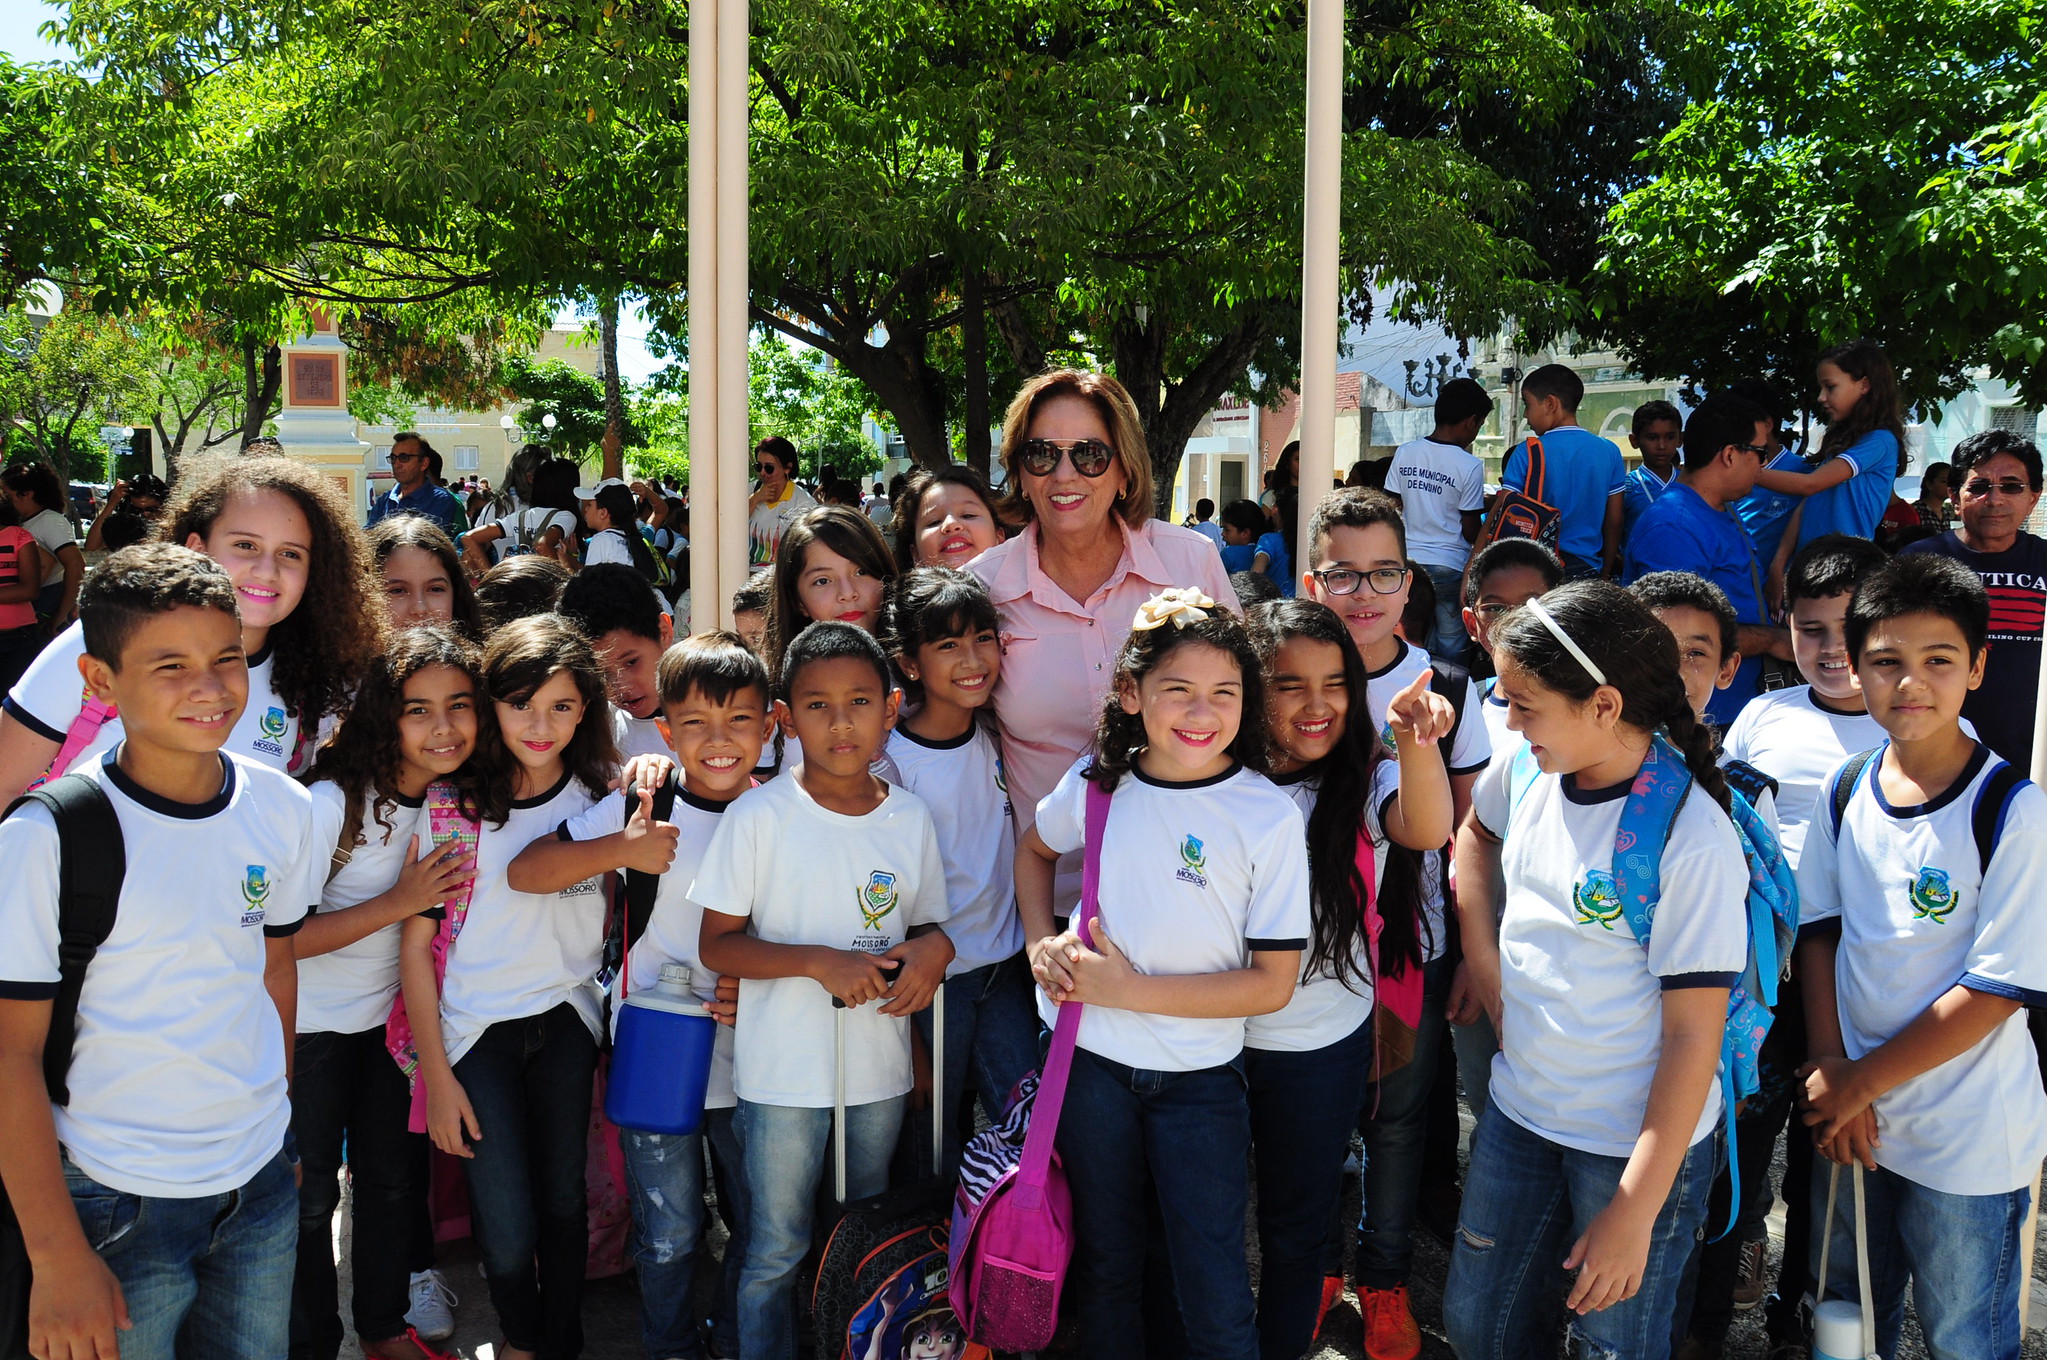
[(2040, 733), (708, 589), (1322, 205), (734, 445)]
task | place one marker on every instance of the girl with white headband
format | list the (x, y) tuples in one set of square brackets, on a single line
[(1596, 1147)]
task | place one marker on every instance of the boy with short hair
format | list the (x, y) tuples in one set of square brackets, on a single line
[(1204, 522), (1440, 485), (813, 888), (716, 699), (1250, 545), (1585, 477), (1653, 433), (1920, 946), (158, 1201), (1505, 574), (1357, 547), (616, 607)]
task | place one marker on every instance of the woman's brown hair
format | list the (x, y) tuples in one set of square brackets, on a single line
[(1119, 413), (322, 648)]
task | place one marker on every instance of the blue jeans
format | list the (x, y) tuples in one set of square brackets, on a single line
[(1526, 1200), (529, 1081), (1394, 1131), (786, 1150), (1303, 1106), (205, 1277), (1447, 639), (991, 1032), (665, 1173), (348, 1097), (1963, 1254), (1125, 1135)]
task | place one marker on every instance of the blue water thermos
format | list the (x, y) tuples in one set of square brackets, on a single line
[(661, 1059)]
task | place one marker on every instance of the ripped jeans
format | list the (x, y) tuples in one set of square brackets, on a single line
[(1526, 1201), (665, 1174)]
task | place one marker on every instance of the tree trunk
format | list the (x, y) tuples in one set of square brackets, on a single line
[(262, 376), (614, 395), (1015, 329), (974, 349), (897, 373), (1170, 411)]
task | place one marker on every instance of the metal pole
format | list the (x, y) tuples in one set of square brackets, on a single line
[(1322, 210), (734, 444), (2040, 734), (708, 589)]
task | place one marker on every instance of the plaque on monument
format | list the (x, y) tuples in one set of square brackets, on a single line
[(315, 380)]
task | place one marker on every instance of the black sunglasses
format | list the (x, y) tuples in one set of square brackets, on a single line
[(1090, 457)]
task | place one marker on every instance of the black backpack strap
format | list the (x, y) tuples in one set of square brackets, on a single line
[(1992, 799), (1537, 487), (1747, 780), (642, 888), (1844, 785), (92, 860), (1453, 682)]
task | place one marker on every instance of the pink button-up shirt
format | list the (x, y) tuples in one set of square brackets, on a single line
[(1059, 654)]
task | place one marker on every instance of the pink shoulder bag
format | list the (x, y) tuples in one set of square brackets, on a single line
[(447, 820)]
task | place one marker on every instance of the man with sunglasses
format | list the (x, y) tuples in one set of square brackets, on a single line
[(414, 466), (1996, 482), (1691, 527)]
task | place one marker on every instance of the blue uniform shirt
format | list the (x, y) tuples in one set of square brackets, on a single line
[(1582, 470), (1640, 493), (1855, 506), (1680, 532)]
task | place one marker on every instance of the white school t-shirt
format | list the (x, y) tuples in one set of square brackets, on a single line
[(522, 954), (673, 928), (51, 694), (1467, 749), (1791, 736), (1195, 878), (1501, 738), (961, 782), (638, 736), (803, 874), (607, 545), (1325, 1010), (177, 1076), (1917, 915), (535, 521), (1583, 1001), (1436, 484), (351, 989)]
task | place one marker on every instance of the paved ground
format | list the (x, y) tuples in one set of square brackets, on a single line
[(612, 1323)]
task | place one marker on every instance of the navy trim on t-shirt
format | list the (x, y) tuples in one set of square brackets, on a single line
[(1682, 982), (286, 932), (27, 991), (2009, 991), (1587, 797), (191, 812), (1275, 946), (31, 721), (1947, 795), (936, 743), (1209, 782), (703, 804), (542, 799)]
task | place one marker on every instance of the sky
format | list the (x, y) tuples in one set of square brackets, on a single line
[(19, 20)]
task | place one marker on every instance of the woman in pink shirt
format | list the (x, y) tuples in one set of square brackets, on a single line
[(21, 577), (1070, 583)]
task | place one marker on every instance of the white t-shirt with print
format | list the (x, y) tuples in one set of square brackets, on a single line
[(177, 1075), (51, 694), (1917, 916), (673, 928), (1467, 749), (961, 782), (1436, 483), (534, 521), (1324, 1009), (1583, 1001), (350, 989), (1792, 737), (522, 954), (608, 545), (1195, 878), (803, 874)]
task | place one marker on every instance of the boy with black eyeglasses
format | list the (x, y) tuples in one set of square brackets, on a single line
[(1997, 480)]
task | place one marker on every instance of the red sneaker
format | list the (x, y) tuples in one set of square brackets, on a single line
[(1332, 1294), (407, 1347), (1390, 1331)]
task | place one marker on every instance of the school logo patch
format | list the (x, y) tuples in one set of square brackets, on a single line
[(273, 723), (1193, 862), (1598, 899), (878, 898), (255, 894), (1933, 897)]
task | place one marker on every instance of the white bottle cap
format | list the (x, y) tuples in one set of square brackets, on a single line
[(1837, 1330)]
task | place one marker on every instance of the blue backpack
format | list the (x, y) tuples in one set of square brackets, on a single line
[(1658, 794)]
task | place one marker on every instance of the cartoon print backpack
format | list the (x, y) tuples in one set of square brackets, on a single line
[(1771, 905), (1524, 514), (447, 820)]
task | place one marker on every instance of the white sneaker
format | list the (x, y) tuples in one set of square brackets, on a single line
[(432, 1313)]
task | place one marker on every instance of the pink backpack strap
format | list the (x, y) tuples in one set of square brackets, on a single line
[(1401, 995), (84, 728), (1035, 1166), (448, 819)]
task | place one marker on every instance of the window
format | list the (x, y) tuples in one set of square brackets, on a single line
[(383, 457), (465, 458), (2019, 420)]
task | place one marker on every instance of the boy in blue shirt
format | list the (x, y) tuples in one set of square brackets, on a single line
[(1653, 432), (1920, 947), (1584, 477)]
